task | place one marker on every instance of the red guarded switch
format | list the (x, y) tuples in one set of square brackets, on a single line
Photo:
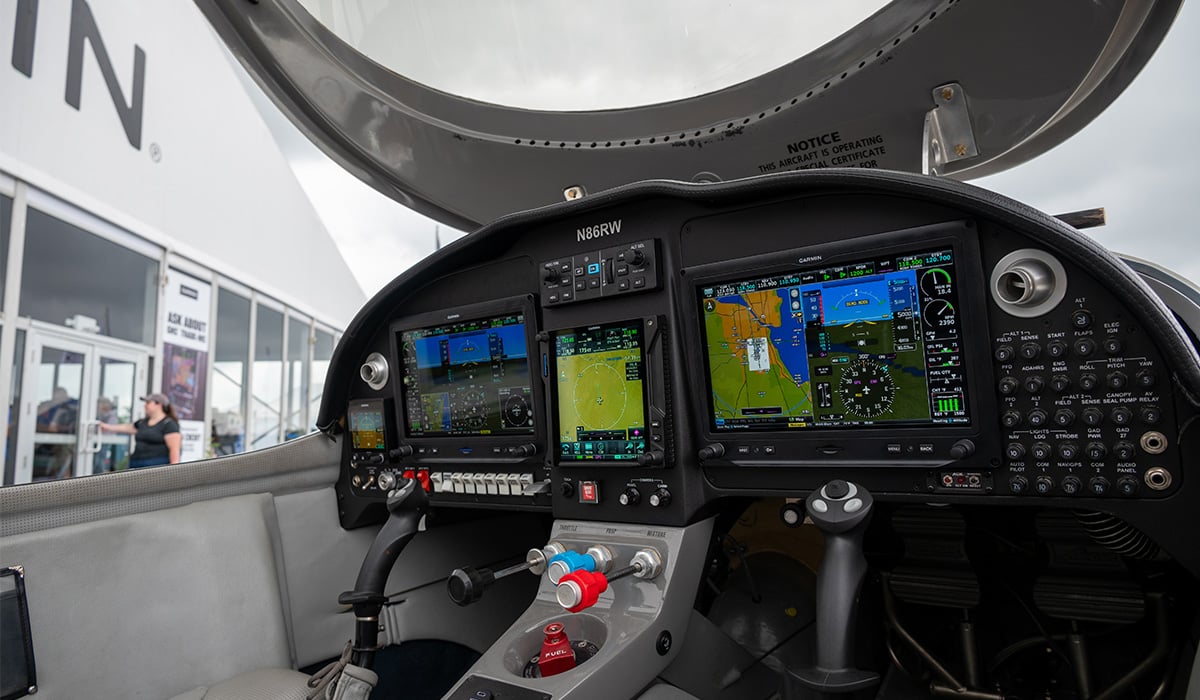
[(580, 589), (423, 477), (557, 655)]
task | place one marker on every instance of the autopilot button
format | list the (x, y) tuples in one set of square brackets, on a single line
[(639, 282), (623, 285), (594, 283)]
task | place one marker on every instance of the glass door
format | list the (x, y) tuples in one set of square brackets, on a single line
[(72, 385)]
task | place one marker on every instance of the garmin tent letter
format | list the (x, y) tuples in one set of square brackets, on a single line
[(83, 27)]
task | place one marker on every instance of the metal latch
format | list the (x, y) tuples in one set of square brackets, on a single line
[(948, 136)]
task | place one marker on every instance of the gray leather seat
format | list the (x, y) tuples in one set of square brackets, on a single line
[(263, 684)]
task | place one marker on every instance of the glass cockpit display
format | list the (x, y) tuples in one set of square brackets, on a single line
[(872, 342), (599, 392), (467, 378), (367, 427)]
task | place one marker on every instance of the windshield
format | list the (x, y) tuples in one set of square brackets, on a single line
[(586, 56)]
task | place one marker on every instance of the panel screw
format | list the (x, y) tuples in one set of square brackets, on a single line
[(663, 646), (960, 149), (572, 193), (947, 93)]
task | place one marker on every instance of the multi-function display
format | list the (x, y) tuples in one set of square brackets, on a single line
[(869, 343), (467, 378), (599, 392)]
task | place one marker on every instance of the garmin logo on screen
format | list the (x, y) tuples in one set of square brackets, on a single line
[(607, 228), (84, 30)]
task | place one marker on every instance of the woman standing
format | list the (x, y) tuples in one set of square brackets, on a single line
[(156, 437)]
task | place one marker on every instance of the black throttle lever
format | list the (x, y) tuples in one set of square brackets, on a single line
[(466, 585), (406, 505)]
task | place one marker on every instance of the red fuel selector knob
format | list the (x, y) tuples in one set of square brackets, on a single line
[(557, 655), (580, 590)]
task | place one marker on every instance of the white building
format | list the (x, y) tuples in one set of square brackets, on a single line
[(152, 238)]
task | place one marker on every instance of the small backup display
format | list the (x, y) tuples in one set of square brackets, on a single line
[(599, 392), (467, 378), (367, 428), (874, 342)]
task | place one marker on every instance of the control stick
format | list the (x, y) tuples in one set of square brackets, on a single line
[(466, 585), (406, 504), (840, 509)]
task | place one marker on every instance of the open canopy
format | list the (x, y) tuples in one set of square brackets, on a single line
[(466, 112)]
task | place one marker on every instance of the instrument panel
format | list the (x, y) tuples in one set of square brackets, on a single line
[(643, 358)]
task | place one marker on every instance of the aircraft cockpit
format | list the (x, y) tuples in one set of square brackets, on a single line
[(743, 394)]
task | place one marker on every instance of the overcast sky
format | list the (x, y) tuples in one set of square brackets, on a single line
[(1139, 160)]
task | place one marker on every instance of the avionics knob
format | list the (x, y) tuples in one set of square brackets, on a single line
[(962, 449), (527, 450), (661, 498), (712, 451), (550, 274), (397, 453), (652, 458), (630, 496), (637, 256)]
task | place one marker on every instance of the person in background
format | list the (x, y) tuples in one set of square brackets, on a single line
[(157, 439)]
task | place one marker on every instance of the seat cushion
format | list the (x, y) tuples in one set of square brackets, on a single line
[(263, 684)]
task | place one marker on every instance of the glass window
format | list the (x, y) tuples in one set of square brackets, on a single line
[(297, 387), (71, 277), (266, 396), (229, 373), (322, 353), (5, 222), (14, 415)]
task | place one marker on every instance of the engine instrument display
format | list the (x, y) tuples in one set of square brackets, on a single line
[(367, 427), (599, 391), (467, 378), (868, 343)]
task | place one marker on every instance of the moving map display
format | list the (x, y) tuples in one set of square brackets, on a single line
[(467, 378), (599, 392), (873, 342)]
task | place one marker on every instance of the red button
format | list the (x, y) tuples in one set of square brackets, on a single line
[(423, 477), (588, 493)]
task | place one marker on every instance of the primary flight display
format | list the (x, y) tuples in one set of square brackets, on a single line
[(870, 342), (467, 378)]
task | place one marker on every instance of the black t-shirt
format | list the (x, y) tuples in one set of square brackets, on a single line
[(151, 441)]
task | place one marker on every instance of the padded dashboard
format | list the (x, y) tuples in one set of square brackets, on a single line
[(645, 354)]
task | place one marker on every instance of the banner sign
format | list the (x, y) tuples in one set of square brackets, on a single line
[(185, 357)]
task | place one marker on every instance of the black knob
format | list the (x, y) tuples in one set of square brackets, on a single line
[(1088, 381), (1093, 416), (1060, 383), (1014, 451), (399, 452), (1068, 451), (1081, 319), (1043, 485), (1113, 346), (652, 458), (1127, 486), (1004, 353), (962, 449), (1037, 418), (1010, 419), (1116, 380), (466, 585), (1056, 349), (374, 459), (637, 256), (1150, 414), (712, 451), (1084, 347), (1042, 451), (567, 489), (1121, 415), (1035, 384), (661, 498), (792, 514), (1071, 485), (1096, 451), (1008, 385), (1030, 351), (527, 450), (1098, 485), (1018, 485), (1146, 378), (630, 496), (550, 274), (1124, 450), (1064, 417)]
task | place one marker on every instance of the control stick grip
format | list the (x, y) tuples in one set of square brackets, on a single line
[(406, 505)]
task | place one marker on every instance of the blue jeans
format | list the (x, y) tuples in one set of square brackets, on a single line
[(135, 463)]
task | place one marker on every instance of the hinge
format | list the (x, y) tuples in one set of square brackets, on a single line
[(948, 136)]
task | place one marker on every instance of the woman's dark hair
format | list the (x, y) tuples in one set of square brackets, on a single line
[(169, 409)]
